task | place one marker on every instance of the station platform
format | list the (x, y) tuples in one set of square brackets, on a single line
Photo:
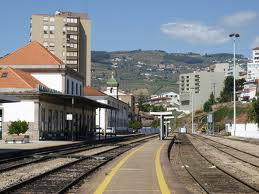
[(144, 169), (6, 148)]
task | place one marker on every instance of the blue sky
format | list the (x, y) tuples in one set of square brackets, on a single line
[(171, 25)]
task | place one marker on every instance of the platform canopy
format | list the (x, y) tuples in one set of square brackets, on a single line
[(8, 99), (161, 113), (168, 117)]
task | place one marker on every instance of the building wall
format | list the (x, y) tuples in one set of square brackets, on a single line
[(26, 110), (253, 71), (15, 111), (255, 56), (203, 84), (51, 80), (113, 118), (48, 120), (57, 81), (73, 86)]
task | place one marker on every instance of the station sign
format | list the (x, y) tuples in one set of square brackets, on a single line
[(69, 117)]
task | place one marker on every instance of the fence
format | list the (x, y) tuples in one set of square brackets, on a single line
[(248, 130)]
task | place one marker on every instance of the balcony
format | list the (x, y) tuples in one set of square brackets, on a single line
[(72, 32), (71, 58), (70, 49)]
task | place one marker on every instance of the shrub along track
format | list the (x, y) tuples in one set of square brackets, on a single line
[(62, 178), (209, 176)]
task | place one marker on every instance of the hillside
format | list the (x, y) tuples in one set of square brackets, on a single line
[(150, 71)]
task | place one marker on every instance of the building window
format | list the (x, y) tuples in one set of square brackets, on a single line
[(51, 44), (76, 88), (72, 88), (52, 19), (111, 90), (67, 86), (51, 36), (52, 28), (45, 18), (45, 44), (56, 121), (50, 121), (45, 35), (45, 28), (80, 90), (4, 74)]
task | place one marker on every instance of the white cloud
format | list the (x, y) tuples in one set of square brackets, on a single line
[(240, 18), (256, 42), (195, 33)]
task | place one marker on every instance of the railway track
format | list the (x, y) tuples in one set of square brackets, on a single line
[(14, 162), (210, 177), (62, 178), (240, 155)]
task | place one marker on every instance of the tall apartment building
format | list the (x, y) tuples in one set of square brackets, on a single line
[(253, 68), (256, 55), (201, 85), (68, 36)]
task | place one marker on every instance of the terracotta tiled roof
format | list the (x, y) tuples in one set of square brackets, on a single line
[(14, 78), (90, 91), (32, 54)]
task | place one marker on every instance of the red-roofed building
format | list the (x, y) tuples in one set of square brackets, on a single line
[(46, 89), (45, 67)]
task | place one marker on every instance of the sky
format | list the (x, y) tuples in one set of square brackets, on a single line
[(200, 26)]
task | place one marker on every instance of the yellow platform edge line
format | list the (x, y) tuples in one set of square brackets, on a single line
[(160, 177), (101, 188)]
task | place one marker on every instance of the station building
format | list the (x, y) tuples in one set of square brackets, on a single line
[(115, 119), (48, 91)]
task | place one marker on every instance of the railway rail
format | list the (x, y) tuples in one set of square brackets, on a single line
[(62, 178), (241, 155), (210, 177), (36, 156)]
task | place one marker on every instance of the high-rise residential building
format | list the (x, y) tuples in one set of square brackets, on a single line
[(68, 36), (199, 85), (253, 68)]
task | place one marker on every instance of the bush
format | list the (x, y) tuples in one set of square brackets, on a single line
[(155, 123), (135, 124), (18, 127)]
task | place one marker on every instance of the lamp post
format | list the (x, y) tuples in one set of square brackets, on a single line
[(234, 37)]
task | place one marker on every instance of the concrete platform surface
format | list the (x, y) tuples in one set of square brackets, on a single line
[(8, 148), (138, 171)]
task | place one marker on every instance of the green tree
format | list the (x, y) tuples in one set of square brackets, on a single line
[(207, 107), (227, 94), (18, 127), (134, 124), (253, 114)]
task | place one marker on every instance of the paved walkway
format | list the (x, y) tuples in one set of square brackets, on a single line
[(138, 171)]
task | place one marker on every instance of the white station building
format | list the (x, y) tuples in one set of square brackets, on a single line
[(48, 92), (112, 120)]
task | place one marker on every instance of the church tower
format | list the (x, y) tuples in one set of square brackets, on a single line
[(113, 87)]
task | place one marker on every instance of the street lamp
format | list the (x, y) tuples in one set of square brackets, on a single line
[(234, 37)]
